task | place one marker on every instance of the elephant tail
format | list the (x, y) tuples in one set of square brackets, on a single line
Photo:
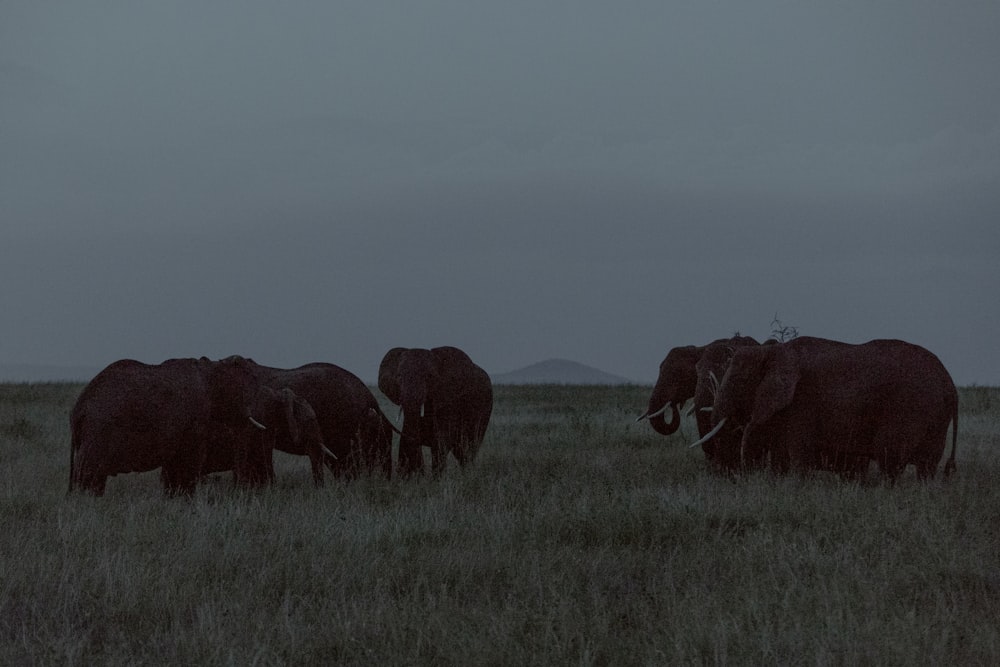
[(949, 467)]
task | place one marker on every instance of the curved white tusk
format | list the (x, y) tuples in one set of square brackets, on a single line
[(257, 424), (650, 415), (329, 453), (708, 436), (707, 408)]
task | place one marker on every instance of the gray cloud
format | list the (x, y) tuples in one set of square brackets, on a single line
[(324, 181)]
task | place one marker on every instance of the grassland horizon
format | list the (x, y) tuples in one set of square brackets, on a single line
[(578, 537)]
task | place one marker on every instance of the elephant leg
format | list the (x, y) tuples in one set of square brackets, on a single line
[(382, 457), (439, 459), (926, 466), (754, 453), (926, 470), (177, 481), (411, 459), (88, 474), (851, 466), (315, 463), (464, 453), (93, 483), (930, 450), (90, 482), (803, 442), (896, 441), (179, 475), (890, 466), (332, 464), (469, 443), (347, 463), (890, 463), (781, 460), (461, 445), (264, 468), (378, 459)]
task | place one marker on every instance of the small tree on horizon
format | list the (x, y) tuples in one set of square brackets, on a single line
[(782, 332)]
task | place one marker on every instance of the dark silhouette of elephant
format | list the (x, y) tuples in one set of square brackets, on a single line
[(446, 401), (291, 425), (356, 434), (136, 417), (817, 403), (693, 372)]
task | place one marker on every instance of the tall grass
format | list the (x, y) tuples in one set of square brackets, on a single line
[(578, 537)]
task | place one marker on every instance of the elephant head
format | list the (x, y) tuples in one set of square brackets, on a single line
[(758, 385), (690, 372), (303, 431), (675, 384), (446, 401), (232, 390), (291, 426)]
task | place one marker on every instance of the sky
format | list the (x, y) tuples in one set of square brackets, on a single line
[(596, 181)]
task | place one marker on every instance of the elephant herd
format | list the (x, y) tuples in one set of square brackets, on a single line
[(192, 417), (811, 403), (805, 404)]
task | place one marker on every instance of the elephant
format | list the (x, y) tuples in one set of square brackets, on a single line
[(356, 433), (446, 401), (817, 403), (135, 417), (693, 372), (292, 426)]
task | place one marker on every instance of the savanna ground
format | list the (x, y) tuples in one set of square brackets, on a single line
[(578, 537)]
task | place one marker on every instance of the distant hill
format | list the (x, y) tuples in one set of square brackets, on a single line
[(558, 371)]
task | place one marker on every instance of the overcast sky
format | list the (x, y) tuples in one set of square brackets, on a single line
[(598, 181)]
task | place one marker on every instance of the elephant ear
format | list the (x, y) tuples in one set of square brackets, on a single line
[(388, 374), (288, 399), (777, 386), (264, 406)]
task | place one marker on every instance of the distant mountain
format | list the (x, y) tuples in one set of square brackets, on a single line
[(558, 371)]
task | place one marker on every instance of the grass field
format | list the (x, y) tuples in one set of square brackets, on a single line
[(577, 538)]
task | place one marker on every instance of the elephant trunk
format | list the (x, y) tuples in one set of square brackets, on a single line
[(413, 417), (411, 441), (660, 424)]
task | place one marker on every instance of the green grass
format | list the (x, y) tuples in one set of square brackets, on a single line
[(579, 537)]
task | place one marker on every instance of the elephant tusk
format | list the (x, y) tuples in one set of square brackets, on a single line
[(651, 415), (257, 424), (708, 436), (690, 411), (715, 383), (707, 408), (329, 453)]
